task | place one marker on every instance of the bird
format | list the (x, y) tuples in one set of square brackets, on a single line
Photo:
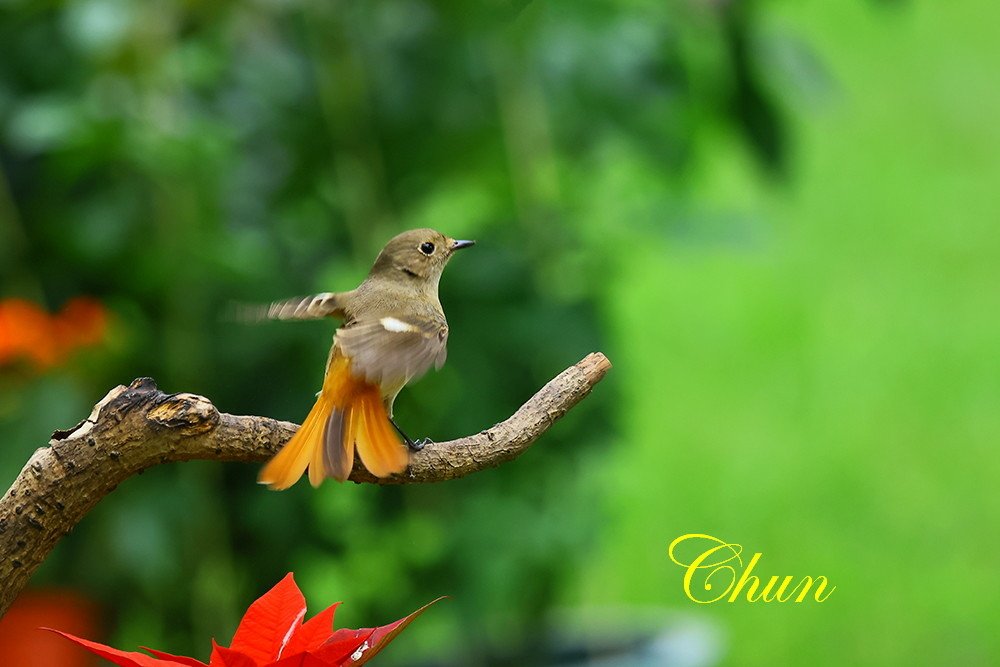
[(394, 329)]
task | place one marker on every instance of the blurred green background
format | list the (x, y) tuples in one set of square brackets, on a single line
[(778, 220)]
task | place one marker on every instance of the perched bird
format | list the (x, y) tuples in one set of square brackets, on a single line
[(394, 330)]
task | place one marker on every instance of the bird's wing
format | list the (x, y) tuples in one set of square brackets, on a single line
[(390, 350), (315, 307)]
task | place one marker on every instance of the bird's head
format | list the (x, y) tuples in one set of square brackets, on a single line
[(419, 255)]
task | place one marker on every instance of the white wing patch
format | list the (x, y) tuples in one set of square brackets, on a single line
[(387, 351), (320, 298), (395, 326), (305, 308)]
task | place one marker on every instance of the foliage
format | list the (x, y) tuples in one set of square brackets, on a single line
[(171, 159)]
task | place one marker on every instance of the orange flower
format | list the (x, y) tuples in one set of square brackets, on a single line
[(29, 333), (23, 646), (82, 323)]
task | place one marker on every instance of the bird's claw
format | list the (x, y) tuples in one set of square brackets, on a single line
[(417, 445)]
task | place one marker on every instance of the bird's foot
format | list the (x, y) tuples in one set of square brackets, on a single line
[(417, 445), (414, 445)]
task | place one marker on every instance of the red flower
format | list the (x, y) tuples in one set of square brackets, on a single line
[(272, 634)]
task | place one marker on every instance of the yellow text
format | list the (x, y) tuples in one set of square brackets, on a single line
[(718, 573)]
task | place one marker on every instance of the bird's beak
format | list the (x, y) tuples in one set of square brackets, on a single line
[(458, 245)]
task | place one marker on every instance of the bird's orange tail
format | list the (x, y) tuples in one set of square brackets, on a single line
[(348, 412)]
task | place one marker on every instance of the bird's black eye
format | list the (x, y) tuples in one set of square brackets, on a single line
[(427, 248)]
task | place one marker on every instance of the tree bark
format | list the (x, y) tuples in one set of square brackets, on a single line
[(137, 427)]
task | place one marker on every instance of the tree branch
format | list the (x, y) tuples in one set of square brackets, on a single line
[(137, 427)]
